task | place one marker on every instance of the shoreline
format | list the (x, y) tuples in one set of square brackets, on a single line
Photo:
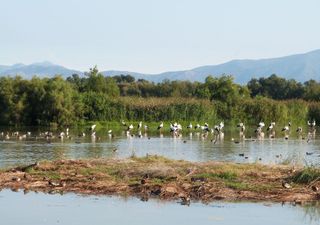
[(166, 179)]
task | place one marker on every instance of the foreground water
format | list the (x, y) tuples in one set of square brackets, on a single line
[(32, 208), (303, 150)]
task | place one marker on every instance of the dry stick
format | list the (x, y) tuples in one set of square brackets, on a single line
[(313, 182)]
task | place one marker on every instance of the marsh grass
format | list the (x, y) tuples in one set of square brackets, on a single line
[(306, 176), (227, 175), (52, 175), (152, 110)]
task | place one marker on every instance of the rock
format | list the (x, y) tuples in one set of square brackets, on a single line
[(286, 185)]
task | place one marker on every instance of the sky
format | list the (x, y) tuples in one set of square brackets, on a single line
[(153, 36)]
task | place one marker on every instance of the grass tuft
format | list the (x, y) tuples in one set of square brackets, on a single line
[(306, 176)]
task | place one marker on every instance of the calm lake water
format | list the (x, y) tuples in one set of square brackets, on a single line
[(32, 208), (303, 150)]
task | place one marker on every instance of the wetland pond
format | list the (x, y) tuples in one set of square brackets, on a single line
[(192, 146), (39, 208)]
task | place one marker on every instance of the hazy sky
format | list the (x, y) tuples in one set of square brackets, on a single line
[(153, 36)]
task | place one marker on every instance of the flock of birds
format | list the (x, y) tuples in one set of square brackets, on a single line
[(174, 128), (218, 133)]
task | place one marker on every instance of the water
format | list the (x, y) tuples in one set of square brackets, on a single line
[(32, 208), (187, 147)]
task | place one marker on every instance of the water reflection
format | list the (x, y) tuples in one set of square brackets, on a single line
[(312, 212), (73, 209)]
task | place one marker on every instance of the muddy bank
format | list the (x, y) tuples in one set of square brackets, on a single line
[(158, 177)]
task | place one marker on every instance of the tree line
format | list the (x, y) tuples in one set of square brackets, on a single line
[(45, 101), (274, 87)]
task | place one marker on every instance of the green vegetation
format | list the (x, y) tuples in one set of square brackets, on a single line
[(307, 175), (94, 97)]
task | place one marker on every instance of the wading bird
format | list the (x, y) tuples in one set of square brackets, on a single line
[(299, 130), (286, 128), (130, 127), (160, 125), (312, 125), (242, 127), (93, 127), (271, 126), (197, 126)]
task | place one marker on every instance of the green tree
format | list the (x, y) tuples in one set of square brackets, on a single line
[(59, 102), (96, 82)]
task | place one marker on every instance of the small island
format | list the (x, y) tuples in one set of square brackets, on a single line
[(162, 178)]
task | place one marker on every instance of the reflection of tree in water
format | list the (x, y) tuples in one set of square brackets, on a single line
[(312, 212), (94, 151)]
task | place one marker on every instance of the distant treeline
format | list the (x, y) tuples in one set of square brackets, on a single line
[(274, 87), (94, 97)]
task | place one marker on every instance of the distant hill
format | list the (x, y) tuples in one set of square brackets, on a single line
[(42, 69), (301, 67)]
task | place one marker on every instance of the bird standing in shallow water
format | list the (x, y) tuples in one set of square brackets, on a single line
[(93, 127), (219, 127), (271, 126), (261, 124), (130, 127), (271, 130), (286, 130), (242, 127), (312, 126), (259, 131), (197, 126), (299, 130), (160, 126)]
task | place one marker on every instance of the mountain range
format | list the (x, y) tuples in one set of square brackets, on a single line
[(301, 67)]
